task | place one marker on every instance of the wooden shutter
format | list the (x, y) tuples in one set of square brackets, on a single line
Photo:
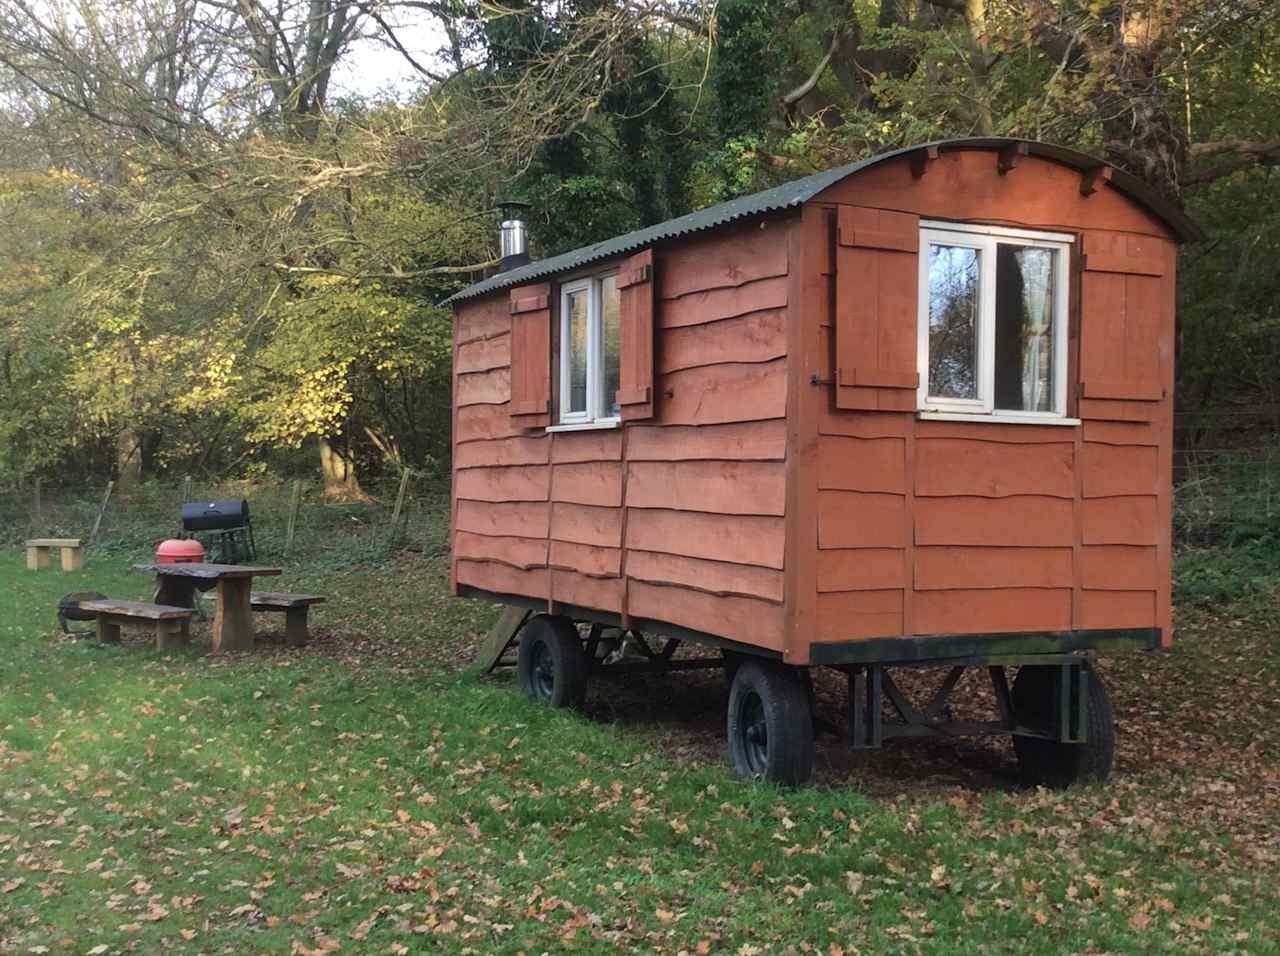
[(636, 291), (876, 292), (1123, 339), (531, 355)]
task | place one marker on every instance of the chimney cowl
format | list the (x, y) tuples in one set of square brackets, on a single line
[(515, 238)]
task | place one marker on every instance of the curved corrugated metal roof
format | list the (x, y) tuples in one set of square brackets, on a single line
[(796, 193)]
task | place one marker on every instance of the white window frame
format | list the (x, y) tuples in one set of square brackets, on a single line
[(597, 411), (985, 239)]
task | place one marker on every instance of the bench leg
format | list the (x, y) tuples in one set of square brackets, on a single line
[(37, 558), (72, 559), (233, 622), (108, 630), (295, 626), (172, 633)]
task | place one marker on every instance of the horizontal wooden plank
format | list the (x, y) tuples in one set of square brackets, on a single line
[(984, 469), (834, 421), (1128, 520), (1105, 409), (724, 393), (1111, 470), (137, 609), (741, 441), (878, 229), (716, 487), (280, 600), (483, 354), (715, 305), (516, 483), (852, 615), (1129, 390), (738, 539), (588, 483), (1121, 433), (586, 559), (484, 388), (522, 450), (757, 337), (992, 610), (53, 543), (602, 594), (724, 260), (1106, 609), (524, 519), (747, 620), (714, 577), (860, 569), (1119, 568), (856, 519), (965, 568), (481, 319), (1010, 433), (1123, 253), (484, 422), (1028, 521), (585, 524), (502, 578), (517, 552), (862, 464), (602, 445)]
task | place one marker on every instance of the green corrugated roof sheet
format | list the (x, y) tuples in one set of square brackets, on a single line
[(794, 194)]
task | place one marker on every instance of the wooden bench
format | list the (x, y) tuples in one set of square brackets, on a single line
[(172, 625), (295, 611), (38, 553)]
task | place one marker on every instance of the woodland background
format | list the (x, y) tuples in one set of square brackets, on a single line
[(218, 261)]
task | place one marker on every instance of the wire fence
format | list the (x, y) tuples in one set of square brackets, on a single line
[(353, 528), (1221, 497)]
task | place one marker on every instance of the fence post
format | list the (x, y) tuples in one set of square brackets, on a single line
[(293, 515), (395, 512), (38, 505), (102, 509)]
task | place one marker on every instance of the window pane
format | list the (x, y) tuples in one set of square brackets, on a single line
[(1024, 328), (953, 322), (576, 350), (611, 313)]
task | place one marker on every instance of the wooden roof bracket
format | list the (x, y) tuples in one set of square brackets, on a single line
[(1094, 179), (920, 160), (1010, 155)]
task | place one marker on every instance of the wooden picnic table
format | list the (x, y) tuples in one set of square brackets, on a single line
[(233, 619)]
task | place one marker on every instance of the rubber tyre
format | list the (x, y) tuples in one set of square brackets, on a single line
[(1050, 763), (770, 725), (552, 664)]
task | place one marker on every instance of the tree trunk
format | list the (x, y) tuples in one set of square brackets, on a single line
[(339, 471), (128, 460)]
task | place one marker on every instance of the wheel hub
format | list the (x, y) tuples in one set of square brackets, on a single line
[(755, 732), (544, 671)]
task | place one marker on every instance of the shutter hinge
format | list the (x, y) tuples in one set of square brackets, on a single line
[(815, 380)]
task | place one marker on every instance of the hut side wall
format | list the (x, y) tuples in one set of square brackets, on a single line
[(929, 527), (678, 518)]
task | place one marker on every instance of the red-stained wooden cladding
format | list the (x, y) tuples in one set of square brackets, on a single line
[(484, 422), (714, 305), (587, 559), (484, 354), (714, 577), (992, 610), (517, 552), (860, 569), (508, 483), (725, 393), (851, 615), (737, 618), (530, 450), (636, 296), (724, 260), (526, 519), (957, 467), (585, 524), (746, 441), (484, 388), (862, 464), (720, 487), (756, 337), (588, 483), (737, 539), (531, 355)]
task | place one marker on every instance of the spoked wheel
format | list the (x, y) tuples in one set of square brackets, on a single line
[(551, 664), (770, 724), (1051, 763)]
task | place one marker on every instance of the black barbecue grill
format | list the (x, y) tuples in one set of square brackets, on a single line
[(226, 524)]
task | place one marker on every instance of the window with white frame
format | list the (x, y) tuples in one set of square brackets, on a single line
[(590, 312), (993, 320)]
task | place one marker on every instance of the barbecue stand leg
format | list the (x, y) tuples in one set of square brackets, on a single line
[(175, 591), (233, 622)]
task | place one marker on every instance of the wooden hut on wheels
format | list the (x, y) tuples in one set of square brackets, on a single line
[(912, 411)]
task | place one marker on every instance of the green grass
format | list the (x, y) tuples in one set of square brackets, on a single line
[(366, 795)]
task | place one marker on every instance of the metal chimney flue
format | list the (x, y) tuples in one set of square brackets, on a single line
[(515, 239)]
